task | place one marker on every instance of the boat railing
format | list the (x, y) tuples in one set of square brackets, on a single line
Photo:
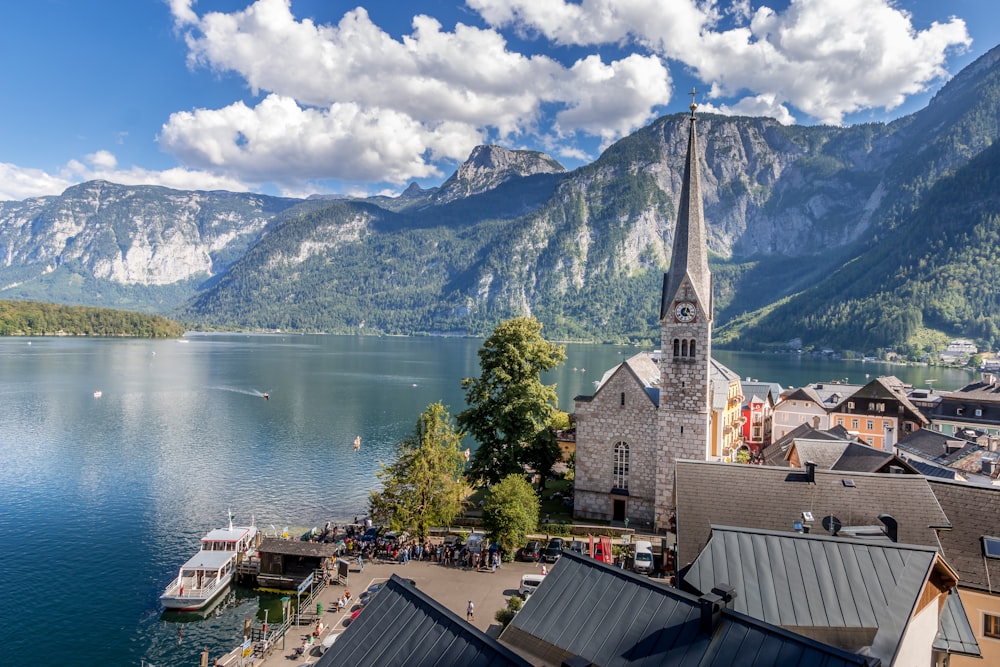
[(188, 587)]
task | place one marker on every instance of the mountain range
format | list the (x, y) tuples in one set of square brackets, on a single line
[(881, 235)]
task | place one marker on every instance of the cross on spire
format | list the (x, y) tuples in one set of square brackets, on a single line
[(693, 105)]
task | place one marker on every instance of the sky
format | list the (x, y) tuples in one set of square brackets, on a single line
[(299, 97)]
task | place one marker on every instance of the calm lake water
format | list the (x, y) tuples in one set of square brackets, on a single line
[(102, 499)]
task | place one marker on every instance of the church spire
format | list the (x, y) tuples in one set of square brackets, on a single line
[(689, 258)]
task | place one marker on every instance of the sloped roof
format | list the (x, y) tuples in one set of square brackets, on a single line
[(720, 377), (955, 633), (773, 498), (974, 511), (271, 545), (824, 453), (867, 591), (775, 453), (614, 618), (402, 626), (858, 457), (933, 469), (930, 444), (892, 388)]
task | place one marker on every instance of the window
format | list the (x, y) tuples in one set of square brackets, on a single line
[(684, 348), (991, 547), (855, 424), (850, 405), (871, 424), (621, 466), (979, 413), (677, 347), (840, 421), (991, 626), (959, 411), (691, 349)]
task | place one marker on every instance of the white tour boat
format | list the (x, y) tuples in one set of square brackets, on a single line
[(209, 571)]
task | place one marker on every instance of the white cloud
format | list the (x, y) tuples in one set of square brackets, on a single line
[(824, 58), (349, 101), (17, 183)]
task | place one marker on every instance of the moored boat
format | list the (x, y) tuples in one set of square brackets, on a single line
[(206, 574)]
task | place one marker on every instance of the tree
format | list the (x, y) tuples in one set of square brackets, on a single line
[(424, 486), (510, 512), (508, 404)]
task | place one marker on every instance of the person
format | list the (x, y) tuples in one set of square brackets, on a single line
[(361, 563), (544, 571), (470, 613), (266, 398)]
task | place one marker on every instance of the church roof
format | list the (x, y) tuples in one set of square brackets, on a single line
[(689, 258)]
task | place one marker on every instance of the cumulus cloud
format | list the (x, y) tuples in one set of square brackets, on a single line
[(826, 59), (349, 101)]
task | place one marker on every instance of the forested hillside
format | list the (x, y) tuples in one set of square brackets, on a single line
[(28, 318)]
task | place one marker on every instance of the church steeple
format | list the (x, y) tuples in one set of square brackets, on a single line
[(689, 258)]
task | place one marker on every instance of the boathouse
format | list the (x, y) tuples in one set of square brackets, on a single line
[(284, 564)]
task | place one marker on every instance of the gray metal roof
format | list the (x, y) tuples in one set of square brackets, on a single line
[(955, 633), (813, 584), (403, 627), (773, 498), (614, 618)]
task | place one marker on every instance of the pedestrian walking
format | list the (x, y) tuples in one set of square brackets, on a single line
[(361, 563), (470, 613)]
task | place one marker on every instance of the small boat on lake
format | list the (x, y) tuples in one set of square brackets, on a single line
[(209, 571)]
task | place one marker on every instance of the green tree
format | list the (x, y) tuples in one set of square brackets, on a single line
[(508, 404), (510, 512), (424, 486)]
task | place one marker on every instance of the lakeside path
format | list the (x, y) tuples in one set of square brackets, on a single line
[(450, 586)]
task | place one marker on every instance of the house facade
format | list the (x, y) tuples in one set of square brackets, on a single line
[(759, 399), (976, 406), (879, 413), (809, 405)]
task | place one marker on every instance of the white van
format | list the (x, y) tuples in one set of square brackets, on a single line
[(529, 583), (642, 562)]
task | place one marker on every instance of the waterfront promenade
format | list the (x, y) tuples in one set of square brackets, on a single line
[(450, 586)]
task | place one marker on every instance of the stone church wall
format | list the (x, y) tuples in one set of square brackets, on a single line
[(602, 422)]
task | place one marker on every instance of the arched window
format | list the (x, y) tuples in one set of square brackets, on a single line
[(677, 347), (621, 466), (691, 349), (684, 348)]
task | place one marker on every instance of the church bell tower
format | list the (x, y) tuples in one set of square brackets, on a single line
[(686, 343)]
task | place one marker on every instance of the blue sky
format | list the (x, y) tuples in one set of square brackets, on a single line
[(318, 96)]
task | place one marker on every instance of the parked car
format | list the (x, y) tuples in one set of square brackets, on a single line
[(529, 583), (580, 547), (532, 552), (643, 559), (553, 550)]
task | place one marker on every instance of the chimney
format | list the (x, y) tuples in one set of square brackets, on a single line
[(811, 472), (891, 526), (726, 592), (711, 612)]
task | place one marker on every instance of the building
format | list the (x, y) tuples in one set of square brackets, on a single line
[(654, 409), (972, 546), (589, 613), (879, 413), (759, 399), (975, 406), (901, 508), (810, 405), (871, 597)]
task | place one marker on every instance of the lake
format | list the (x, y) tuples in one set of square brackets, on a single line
[(103, 498)]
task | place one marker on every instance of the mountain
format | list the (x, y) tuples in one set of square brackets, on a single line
[(854, 237)]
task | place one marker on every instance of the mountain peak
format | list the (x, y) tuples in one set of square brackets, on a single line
[(489, 166)]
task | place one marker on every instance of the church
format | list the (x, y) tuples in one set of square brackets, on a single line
[(656, 408)]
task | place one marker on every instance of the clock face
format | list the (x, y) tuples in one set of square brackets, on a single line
[(685, 311)]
